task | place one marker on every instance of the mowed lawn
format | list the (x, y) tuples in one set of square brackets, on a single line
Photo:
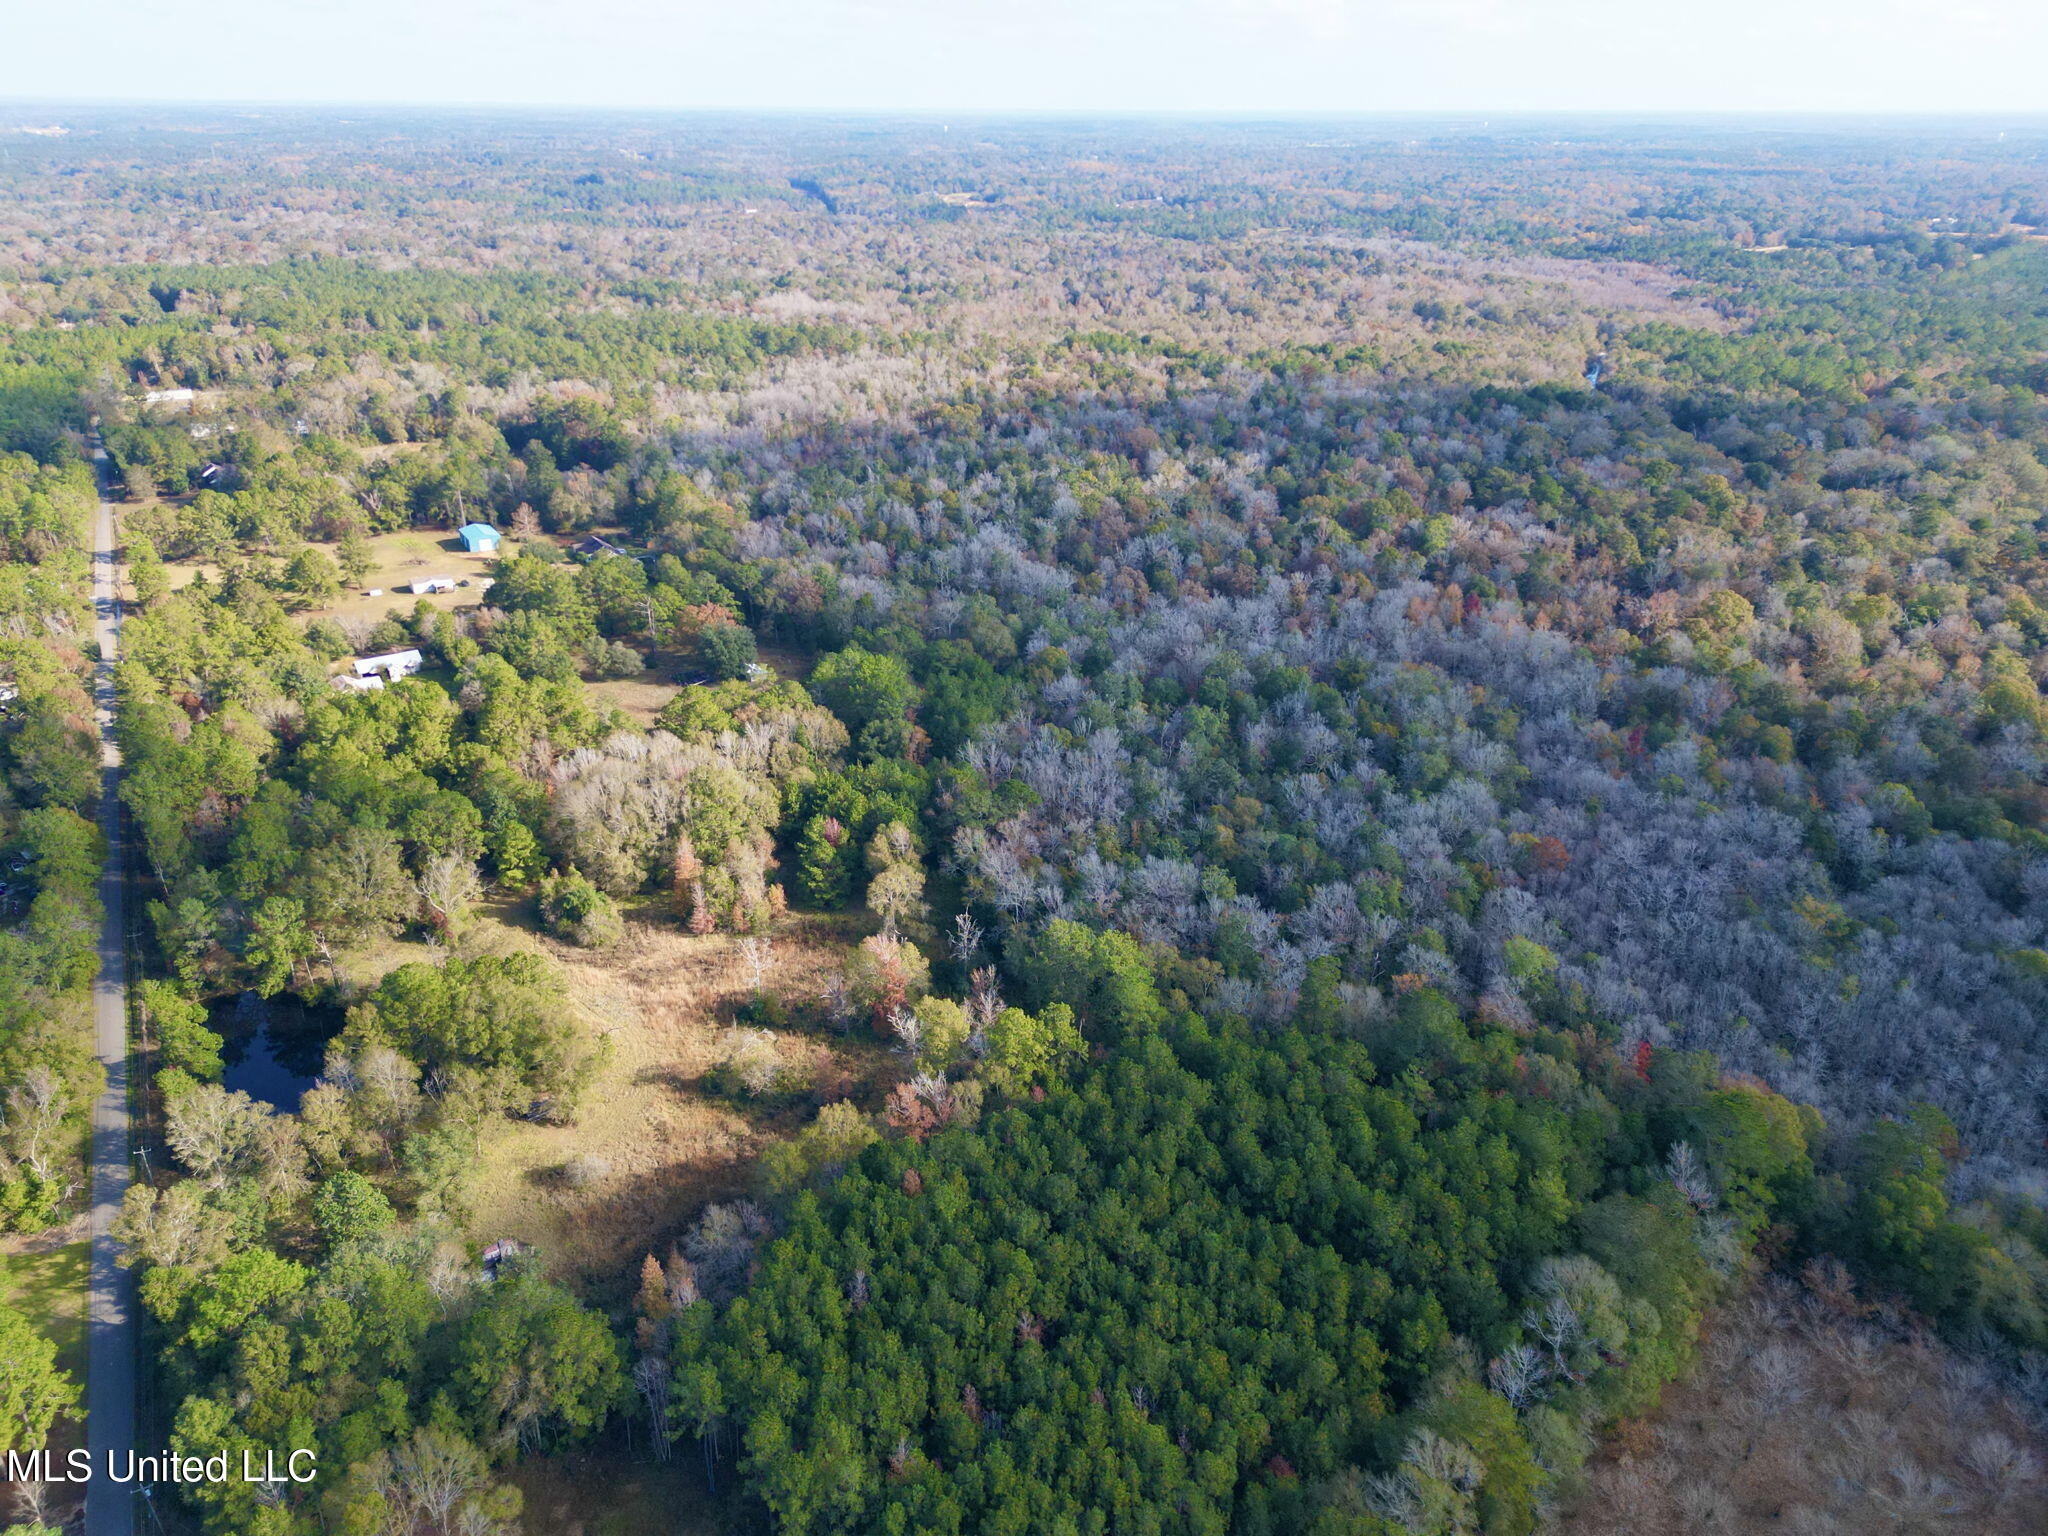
[(47, 1281), (44, 1278)]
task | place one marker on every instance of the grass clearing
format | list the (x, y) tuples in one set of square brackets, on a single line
[(642, 697), (651, 1146), (788, 661), (44, 1276)]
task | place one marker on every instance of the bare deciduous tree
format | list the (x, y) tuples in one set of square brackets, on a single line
[(448, 887), (32, 1121)]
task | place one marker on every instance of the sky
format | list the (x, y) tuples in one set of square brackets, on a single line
[(1178, 56)]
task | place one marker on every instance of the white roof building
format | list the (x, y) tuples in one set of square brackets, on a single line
[(392, 664)]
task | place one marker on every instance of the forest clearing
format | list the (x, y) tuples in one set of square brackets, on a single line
[(654, 1142)]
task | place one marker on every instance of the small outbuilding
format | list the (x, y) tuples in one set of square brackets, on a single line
[(479, 538), (434, 584)]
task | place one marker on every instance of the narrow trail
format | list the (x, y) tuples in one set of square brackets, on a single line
[(111, 1341)]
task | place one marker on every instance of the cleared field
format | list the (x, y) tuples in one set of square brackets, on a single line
[(651, 1146), (642, 697), (404, 557), (788, 661), (44, 1277), (401, 558)]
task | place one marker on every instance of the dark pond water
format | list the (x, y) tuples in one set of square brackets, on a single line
[(272, 1048)]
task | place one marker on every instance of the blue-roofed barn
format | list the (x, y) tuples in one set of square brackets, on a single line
[(479, 538)]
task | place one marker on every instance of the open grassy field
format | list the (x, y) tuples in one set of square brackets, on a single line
[(641, 698), (651, 1145), (403, 558), (44, 1276)]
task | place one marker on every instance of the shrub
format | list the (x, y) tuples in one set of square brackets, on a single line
[(585, 1169), (752, 1064), (613, 658), (577, 912)]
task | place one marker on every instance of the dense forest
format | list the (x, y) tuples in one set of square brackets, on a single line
[(1405, 762)]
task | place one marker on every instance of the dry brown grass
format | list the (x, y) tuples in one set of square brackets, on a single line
[(650, 1145), (1819, 1419), (643, 697)]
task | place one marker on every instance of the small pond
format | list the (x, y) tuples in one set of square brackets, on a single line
[(272, 1048)]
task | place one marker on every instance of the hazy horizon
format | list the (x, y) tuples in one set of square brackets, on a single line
[(24, 115), (1224, 58)]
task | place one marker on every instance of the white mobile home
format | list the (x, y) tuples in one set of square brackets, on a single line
[(392, 664)]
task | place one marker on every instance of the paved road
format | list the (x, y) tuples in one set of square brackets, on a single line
[(110, 1351)]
